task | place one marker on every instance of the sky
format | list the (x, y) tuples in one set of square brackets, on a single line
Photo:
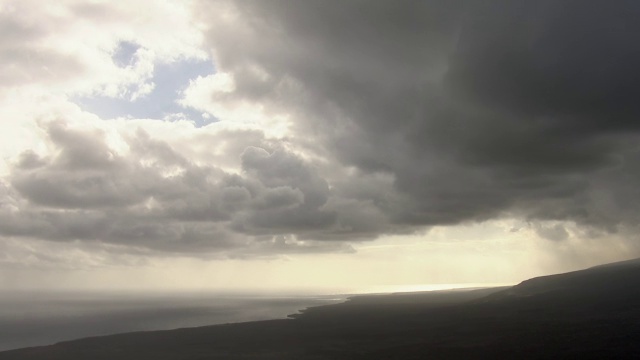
[(317, 144)]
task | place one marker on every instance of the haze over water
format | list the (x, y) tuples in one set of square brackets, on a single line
[(42, 318), (33, 318)]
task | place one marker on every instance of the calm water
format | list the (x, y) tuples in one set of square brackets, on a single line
[(30, 319)]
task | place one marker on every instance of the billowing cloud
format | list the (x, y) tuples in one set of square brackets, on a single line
[(129, 188), (475, 110), (332, 122)]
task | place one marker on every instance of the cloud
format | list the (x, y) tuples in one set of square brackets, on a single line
[(116, 183), (332, 122), (554, 232), (475, 110), (69, 46)]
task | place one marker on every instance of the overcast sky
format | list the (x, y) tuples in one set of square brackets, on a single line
[(320, 143)]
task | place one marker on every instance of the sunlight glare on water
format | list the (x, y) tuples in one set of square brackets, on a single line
[(425, 287)]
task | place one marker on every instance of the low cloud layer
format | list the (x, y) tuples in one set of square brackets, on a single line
[(335, 122)]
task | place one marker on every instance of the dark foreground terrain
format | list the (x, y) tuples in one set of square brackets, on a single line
[(588, 314)]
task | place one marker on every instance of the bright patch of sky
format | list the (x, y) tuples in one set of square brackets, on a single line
[(169, 80)]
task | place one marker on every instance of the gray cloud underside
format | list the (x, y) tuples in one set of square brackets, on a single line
[(426, 113), (154, 197)]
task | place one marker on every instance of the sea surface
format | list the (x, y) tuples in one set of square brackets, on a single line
[(42, 318)]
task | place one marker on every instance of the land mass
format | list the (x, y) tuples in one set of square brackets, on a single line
[(587, 314)]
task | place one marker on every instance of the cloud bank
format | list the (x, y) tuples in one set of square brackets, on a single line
[(335, 122)]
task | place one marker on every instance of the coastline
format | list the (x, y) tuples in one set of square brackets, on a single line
[(347, 306), (27, 320), (340, 303)]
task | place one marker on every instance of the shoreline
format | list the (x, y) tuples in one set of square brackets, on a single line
[(337, 300)]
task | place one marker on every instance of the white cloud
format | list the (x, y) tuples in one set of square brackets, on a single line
[(216, 95), (67, 46)]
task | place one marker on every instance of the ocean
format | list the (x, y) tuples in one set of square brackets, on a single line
[(42, 318)]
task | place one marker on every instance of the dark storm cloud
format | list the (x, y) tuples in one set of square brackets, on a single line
[(565, 58), (477, 109)]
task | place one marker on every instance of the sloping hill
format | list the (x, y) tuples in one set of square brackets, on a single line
[(615, 286)]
